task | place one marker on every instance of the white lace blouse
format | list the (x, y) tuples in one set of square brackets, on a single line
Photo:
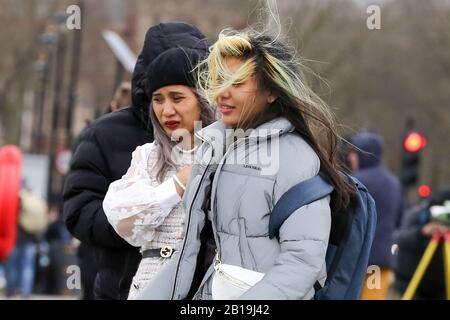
[(143, 211)]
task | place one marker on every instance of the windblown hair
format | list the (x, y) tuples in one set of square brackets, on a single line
[(165, 161), (276, 69)]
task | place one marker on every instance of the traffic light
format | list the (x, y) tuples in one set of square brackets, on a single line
[(424, 191), (413, 143)]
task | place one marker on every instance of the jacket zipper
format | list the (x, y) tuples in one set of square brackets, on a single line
[(213, 223), (213, 198), (213, 192), (189, 220)]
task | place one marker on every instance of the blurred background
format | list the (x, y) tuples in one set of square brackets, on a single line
[(394, 80)]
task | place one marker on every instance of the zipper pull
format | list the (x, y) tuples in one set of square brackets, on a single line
[(217, 261)]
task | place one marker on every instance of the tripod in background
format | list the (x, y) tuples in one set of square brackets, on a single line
[(425, 261)]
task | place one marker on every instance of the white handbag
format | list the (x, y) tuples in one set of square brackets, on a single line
[(230, 282)]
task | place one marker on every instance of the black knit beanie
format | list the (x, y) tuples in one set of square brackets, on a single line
[(173, 67)]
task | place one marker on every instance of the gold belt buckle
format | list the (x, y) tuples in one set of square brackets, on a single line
[(166, 252)]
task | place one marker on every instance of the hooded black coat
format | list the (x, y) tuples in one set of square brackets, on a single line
[(386, 190), (103, 155)]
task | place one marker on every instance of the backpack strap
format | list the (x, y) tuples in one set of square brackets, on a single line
[(296, 197)]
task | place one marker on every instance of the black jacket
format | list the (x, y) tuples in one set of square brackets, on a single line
[(103, 155)]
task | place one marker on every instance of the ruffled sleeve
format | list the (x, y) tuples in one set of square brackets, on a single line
[(135, 205)]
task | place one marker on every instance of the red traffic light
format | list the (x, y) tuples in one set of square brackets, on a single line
[(424, 191), (414, 142)]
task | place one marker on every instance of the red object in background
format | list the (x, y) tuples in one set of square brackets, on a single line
[(10, 180), (414, 142), (424, 191)]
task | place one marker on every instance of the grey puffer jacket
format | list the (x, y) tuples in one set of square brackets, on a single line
[(251, 174)]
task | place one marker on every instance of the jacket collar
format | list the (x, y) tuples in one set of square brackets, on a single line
[(277, 126)]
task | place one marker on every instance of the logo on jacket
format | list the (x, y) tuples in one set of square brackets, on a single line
[(252, 167)]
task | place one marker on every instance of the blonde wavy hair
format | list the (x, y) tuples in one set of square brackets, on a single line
[(274, 64)]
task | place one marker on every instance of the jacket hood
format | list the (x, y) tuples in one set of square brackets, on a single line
[(372, 146), (158, 39)]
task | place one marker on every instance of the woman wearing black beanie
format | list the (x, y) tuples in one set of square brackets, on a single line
[(103, 154), (144, 206)]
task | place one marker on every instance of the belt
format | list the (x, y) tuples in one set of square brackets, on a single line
[(164, 252)]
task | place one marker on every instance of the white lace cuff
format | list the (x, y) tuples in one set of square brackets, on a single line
[(167, 196)]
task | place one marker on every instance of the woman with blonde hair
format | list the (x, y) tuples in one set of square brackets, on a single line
[(274, 133)]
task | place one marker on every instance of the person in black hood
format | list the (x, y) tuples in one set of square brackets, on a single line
[(103, 156)]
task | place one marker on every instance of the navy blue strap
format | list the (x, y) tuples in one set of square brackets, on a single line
[(298, 196)]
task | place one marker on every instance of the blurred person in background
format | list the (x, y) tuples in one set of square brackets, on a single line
[(121, 98), (385, 188), (104, 155), (417, 228), (57, 252), (2, 277), (21, 264)]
